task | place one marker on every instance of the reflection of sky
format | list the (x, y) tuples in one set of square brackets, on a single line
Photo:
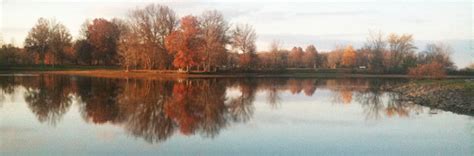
[(298, 125)]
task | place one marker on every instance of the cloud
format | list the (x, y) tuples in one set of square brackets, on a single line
[(336, 13)]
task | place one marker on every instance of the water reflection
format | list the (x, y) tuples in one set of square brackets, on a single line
[(155, 109)]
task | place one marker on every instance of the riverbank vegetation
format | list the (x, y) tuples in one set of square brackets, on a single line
[(155, 38)]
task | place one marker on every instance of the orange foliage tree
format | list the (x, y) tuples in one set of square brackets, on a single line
[(185, 43), (295, 56), (349, 56)]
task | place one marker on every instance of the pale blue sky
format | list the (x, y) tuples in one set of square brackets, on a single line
[(324, 23)]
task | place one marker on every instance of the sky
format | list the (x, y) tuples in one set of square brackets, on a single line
[(324, 23)]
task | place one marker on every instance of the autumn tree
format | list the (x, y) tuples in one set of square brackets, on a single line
[(310, 57), (48, 38), (275, 57), (295, 57), (82, 52), (243, 41), (401, 52), (362, 57), (103, 36), (9, 54), (334, 58), (434, 61), (129, 48), (149, 28), (60, 43), (186, 43), (214, 31), (38, 38), (349, 56)]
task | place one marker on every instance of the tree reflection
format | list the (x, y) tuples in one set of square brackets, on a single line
[(49, 100), (241, 108), (142, 104), (309, 86), (371, 99), (7, 87), (98, 97), (156, 109)]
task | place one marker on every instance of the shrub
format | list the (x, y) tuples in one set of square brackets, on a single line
[(433, 69)]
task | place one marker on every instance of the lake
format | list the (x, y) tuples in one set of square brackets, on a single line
[(74, 115)]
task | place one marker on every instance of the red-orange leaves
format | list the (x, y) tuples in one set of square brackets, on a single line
[(433, 69), (185, 43)]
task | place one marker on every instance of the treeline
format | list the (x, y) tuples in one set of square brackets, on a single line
[(154, 38), (392, 54)]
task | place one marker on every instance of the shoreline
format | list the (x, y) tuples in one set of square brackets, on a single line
[(161, 74), (454, 96)]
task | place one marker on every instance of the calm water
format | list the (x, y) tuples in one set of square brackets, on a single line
[(69, 115)]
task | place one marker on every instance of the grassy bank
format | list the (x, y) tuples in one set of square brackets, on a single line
[(115, 71), (33, 68), (467, 85)]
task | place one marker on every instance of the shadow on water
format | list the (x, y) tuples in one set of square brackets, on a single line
[(156, 109)]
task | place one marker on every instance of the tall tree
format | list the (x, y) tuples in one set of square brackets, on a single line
[(214, 30), (334, 58), (48, 38), (129, 48), (186, 43), (60, 42), (38, 38), (9, 54), (349, 56), (276, 60), (376, 46), (402, 51), (310, 57), (243, 41), (103, 35), (82, 52), (295, 57), (149, 27)]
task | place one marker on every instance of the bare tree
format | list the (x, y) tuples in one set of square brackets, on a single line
[(214, 29), (150, 26), (438, 52), (243, 41), (275, 56), (402, 51), (376, 45)]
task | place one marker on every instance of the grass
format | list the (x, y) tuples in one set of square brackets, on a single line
[(116, 71), (20, 68)]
